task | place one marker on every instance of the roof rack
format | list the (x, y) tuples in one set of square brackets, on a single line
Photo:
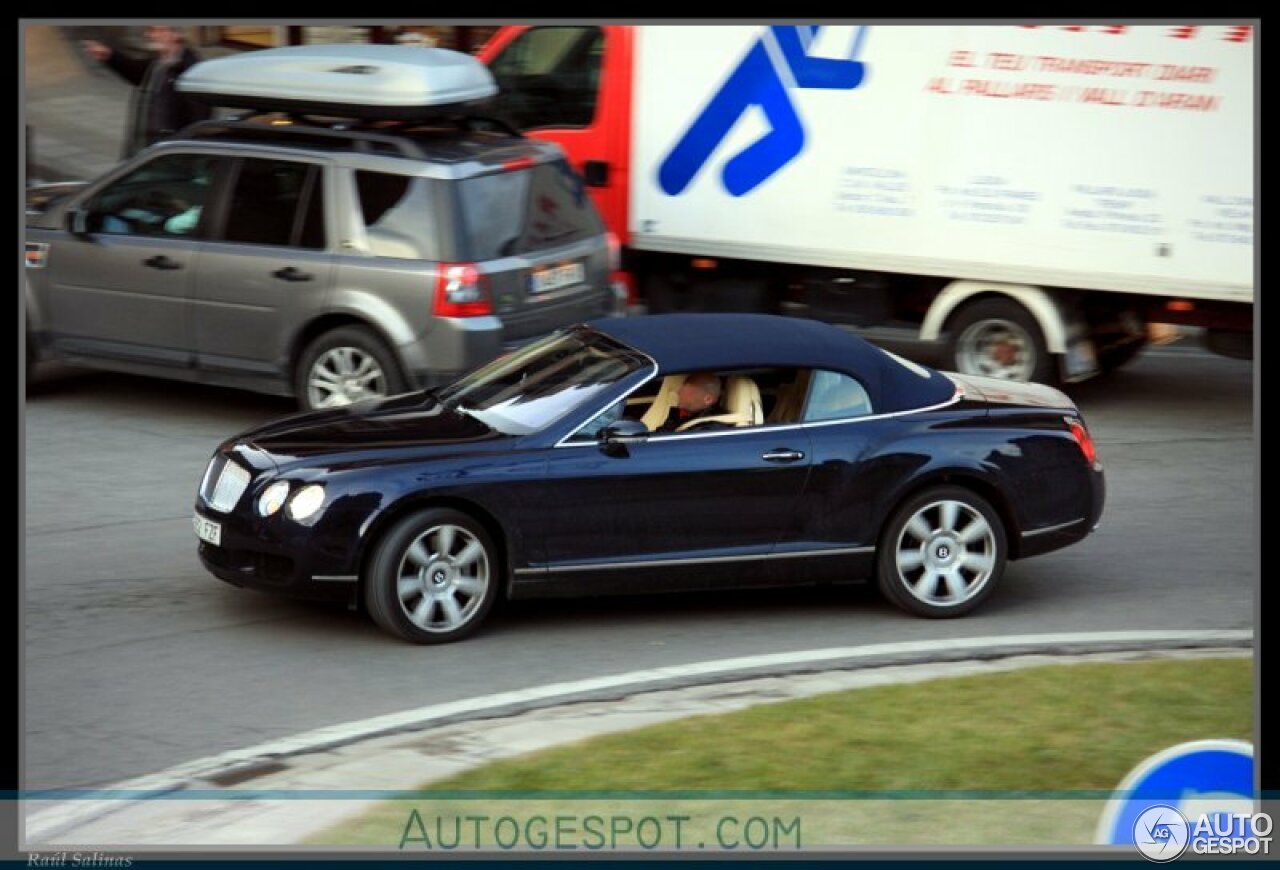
[(356, 134)]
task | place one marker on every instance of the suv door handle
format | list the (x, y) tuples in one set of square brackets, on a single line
[(782, 455), (289, 273), (160, 261)]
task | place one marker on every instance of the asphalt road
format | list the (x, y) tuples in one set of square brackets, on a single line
[(136, 659)]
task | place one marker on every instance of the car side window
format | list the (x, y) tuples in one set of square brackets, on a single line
[(277, 202), (165, 197), (399, 216), (835, 396)]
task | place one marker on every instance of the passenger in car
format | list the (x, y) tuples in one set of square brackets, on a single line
[(699, 396)]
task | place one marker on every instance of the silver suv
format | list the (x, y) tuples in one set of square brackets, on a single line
[(328, 262)]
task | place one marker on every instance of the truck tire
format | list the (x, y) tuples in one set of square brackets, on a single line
[(344, 365), (999, 338)]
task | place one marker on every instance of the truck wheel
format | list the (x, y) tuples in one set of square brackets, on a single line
[(346, 365), (999, 338)]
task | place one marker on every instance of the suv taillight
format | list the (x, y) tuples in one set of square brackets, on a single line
[(615, 251), (1081, 434), (461, 291)]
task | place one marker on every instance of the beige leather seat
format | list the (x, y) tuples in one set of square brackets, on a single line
[(742, 404), (667, 398)]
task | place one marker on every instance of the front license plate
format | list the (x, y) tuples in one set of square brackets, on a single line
[(207, 530), (554, 277)]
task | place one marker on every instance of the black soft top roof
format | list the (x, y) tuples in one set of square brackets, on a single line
[(721, 342)]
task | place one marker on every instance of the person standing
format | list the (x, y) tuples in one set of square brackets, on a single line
[(157, 109)]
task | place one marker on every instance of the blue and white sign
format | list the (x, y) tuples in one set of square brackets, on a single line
[(1195, 796)]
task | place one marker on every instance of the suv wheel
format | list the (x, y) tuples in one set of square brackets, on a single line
[(346, 365)]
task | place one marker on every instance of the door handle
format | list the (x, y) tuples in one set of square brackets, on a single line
[(160, 261), (782, 455), (289, 273)]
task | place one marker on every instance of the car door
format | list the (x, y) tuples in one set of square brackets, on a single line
[(838, 509), (266, 266), (121, 288), (673, 506)]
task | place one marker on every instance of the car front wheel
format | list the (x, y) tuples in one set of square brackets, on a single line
[(346, 365), (942, 553), (433, 577)]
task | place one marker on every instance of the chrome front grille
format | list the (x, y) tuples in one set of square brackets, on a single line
[(227, 480)]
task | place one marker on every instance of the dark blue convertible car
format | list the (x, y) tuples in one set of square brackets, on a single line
[(554, 470)]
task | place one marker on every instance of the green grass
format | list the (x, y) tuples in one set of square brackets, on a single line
[(1054, 728)]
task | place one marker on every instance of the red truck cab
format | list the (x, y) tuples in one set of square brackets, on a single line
[(571, 84)]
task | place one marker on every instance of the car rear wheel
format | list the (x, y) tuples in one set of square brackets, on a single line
[(942, 553), (433, 577), (346, 365), (999, 338)]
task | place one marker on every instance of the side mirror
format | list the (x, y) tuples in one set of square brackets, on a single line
[(615, 437)]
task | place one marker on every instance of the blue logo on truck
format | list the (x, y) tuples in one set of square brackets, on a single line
[(776, 63)]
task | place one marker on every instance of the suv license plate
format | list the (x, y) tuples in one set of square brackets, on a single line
[(207, 530), (554, 277)]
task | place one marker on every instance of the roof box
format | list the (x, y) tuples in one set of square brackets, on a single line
[(360, 81)]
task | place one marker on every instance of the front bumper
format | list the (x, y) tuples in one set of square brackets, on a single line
[(265, 554)]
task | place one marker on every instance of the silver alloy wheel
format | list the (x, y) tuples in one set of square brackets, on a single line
[(442, 578), (946, 553), (996, 348), (343, 375)]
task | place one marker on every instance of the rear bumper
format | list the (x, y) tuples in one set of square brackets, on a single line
[(1033, 542)]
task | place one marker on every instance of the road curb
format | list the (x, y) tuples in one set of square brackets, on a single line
[(77, 807)]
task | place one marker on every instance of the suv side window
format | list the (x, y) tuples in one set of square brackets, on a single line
[(547, 77), (164, 197), (277, 202), (399, 215)]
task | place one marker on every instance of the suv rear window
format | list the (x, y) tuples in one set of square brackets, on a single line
[(521, 212)]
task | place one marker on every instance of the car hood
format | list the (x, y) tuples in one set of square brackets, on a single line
[(997, 391), (414, 420)]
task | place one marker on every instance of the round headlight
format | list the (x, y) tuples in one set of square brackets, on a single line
[(273, 497), (306, 501)]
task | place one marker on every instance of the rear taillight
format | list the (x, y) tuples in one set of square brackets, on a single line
[(461, 291), (1081, 434)]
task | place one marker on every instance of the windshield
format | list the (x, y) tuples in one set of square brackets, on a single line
[(527, 390)]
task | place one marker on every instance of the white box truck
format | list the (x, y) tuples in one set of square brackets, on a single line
[(1024, 198)]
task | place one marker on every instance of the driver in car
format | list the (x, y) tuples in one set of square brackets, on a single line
[(698, 397)]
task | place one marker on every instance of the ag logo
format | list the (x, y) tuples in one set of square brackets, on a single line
[(1161, 833)]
